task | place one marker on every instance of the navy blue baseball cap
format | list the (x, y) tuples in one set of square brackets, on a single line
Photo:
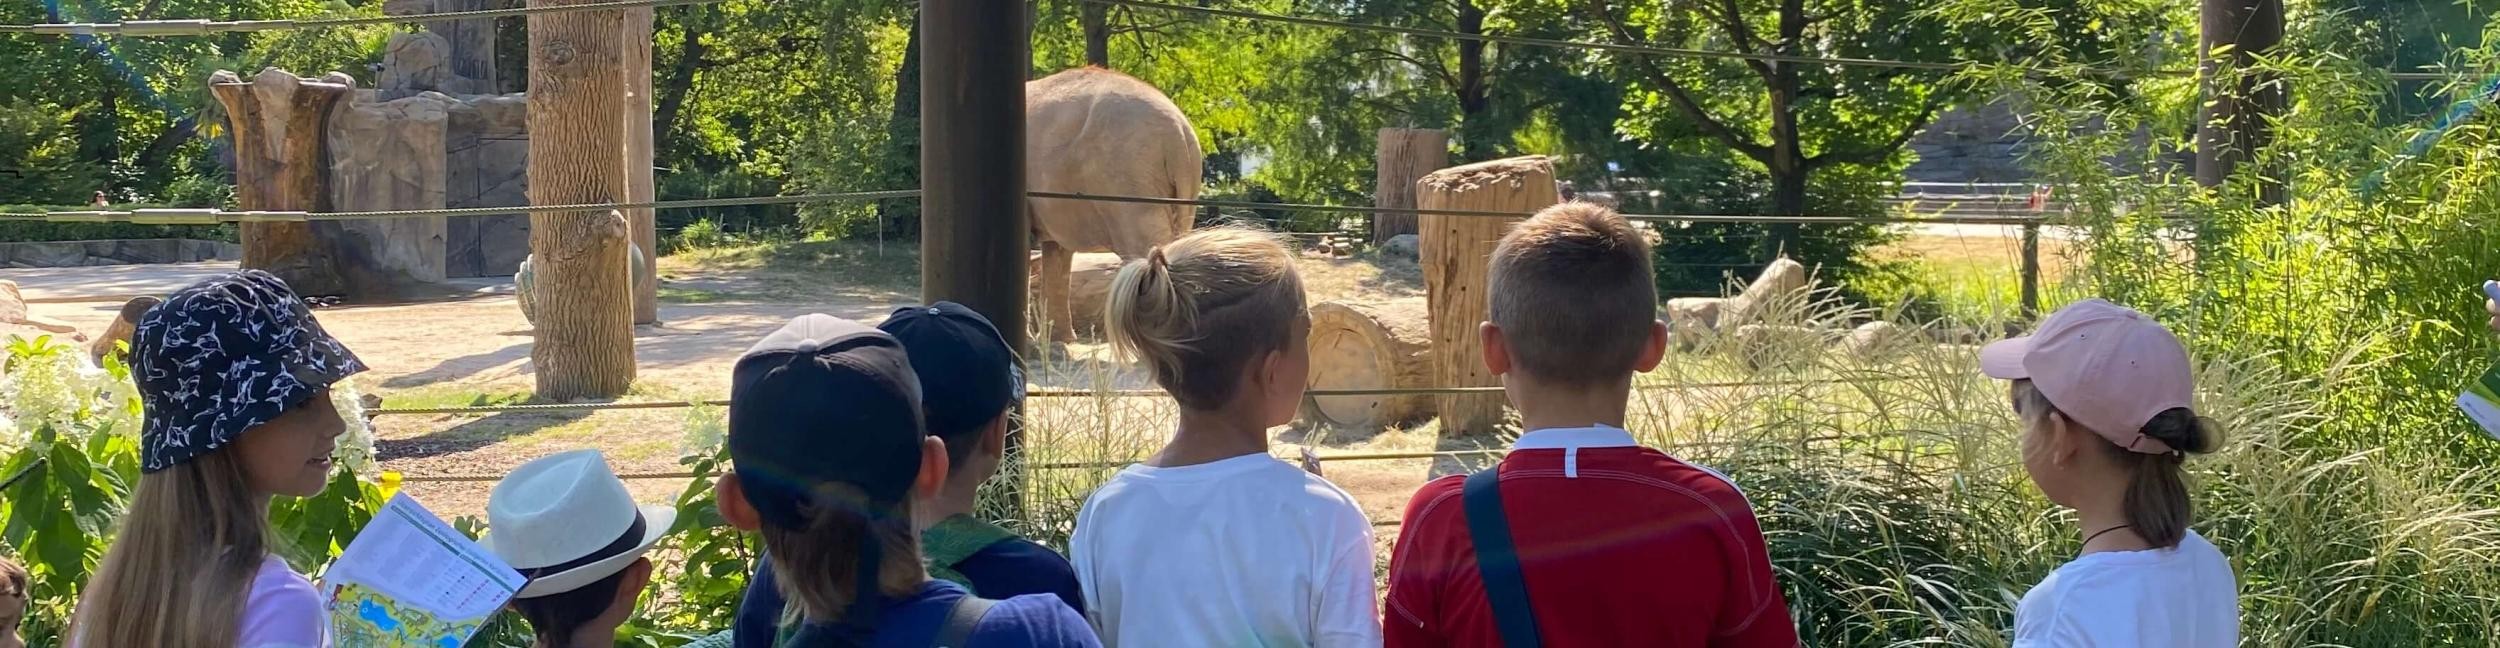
[(824, 401), (968, 375)]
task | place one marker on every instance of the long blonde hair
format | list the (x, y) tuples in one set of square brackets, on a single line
[(190, 543), (1200, 308), (817, 566)]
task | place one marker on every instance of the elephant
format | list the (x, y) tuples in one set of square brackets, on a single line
[(1094, 131)]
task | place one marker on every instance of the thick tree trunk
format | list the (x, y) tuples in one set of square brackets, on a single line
[(1456, 252), (1096, 19), (279, 123), (585, 323), (1403, 156), (2233, 124), (640, 184)]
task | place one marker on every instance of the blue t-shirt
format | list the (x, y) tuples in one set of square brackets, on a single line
[(1010, 568), (1030, 621)]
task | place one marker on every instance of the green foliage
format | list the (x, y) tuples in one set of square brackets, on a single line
[(69, 452)]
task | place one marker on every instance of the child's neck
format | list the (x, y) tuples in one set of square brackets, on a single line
[(1544, 406), (1207, 436), (583, 638)]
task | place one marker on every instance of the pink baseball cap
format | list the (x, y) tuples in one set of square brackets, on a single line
[(2106, 366)]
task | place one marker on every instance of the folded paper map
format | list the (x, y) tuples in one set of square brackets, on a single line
[(410, 580), (2481, 401)]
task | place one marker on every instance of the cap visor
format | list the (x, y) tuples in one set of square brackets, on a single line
[(2003, 359)]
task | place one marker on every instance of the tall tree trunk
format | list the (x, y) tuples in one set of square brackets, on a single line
[(641, 183), (1474, 98), (902, 139), (585, 317), (1403, 156), (1097, 21), (1788, 167), (670, 96), (2233, 124)]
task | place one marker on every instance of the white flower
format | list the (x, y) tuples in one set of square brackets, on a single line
[(355, 449)]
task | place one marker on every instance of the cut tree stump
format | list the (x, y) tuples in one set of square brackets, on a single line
[(1403, 156), (584, 320), (1456, 251), (279, 121), (1384, 345)]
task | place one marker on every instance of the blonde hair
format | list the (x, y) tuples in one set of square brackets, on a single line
[(189, 546), (2157, 503), (1572, 290), (1200, 308), (817, 566)]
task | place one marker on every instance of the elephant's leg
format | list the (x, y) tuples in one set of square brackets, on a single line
[(1056, 312)]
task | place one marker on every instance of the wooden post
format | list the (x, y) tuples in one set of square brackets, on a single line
[(975, 232), (640, 185), (2031, 272), (1403, 156), (280, 124), (1455, 254), (585, 318), (974, 229), (2233, 124)]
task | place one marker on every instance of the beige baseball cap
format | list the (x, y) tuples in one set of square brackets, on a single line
[(2107, 367)]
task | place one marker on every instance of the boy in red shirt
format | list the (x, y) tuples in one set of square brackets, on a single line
[(1609, 543)]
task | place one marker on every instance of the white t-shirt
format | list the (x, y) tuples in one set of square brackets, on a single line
[(2183, 597), (1247, 551)]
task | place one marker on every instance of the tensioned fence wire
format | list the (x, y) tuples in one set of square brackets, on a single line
[(206, 27), (211, 216)]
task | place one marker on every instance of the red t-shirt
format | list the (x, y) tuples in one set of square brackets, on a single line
[(1620, 546)]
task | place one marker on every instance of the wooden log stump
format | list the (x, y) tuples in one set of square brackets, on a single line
[(584, 324), (278, 120), (1404, 155), (1456, 253), (1089, 288), (1370, 346)]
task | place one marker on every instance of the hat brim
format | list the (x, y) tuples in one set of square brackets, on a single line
[(2003, 359), (656, 522)]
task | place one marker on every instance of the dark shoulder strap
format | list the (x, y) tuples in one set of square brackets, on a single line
[(1497, 560), (957, 633)]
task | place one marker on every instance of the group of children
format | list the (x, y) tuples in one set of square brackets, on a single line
[(857, 451)]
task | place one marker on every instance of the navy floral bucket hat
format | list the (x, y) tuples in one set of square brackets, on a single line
[(224, 355)]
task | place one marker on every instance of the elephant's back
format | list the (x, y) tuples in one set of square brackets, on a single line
[(1098, 132)]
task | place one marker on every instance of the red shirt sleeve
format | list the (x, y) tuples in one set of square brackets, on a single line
[(1418, 565), (1758, 618)]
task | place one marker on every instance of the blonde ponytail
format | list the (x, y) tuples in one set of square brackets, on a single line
[(1198, 309)]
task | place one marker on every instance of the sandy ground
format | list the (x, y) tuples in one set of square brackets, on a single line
[(474, 348)]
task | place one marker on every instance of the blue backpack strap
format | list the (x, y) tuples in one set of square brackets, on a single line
[(1497, 560), (960, 621)]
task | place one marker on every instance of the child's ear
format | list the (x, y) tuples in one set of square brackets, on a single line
[(734, 507), (1655, 350), (932, 468), (1496, 348), (637, 577), (2062, 446)]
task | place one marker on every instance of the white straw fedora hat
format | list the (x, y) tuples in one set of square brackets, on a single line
[(565, 521)]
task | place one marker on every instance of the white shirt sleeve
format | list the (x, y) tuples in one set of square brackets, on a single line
[(1349, 613), (282, 610)]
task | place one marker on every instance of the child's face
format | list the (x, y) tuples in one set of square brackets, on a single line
[(12, 611), (291, 454)]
